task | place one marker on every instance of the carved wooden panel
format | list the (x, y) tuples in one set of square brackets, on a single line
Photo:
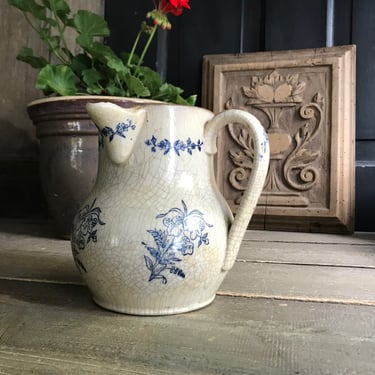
[(306, 101)]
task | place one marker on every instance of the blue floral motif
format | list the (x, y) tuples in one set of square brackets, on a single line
[(178, 146), (183, 232), (121, 129), (85, 230)]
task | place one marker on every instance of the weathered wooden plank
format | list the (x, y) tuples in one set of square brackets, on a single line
[(35, 257), (271, 269), (56, 329), (42, 266), (317, 238), (355, 255), (336, 284), (15, 363), (268, 280), (31, 227), (45, 229)]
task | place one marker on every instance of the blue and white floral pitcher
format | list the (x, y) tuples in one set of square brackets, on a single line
[(155, 236)]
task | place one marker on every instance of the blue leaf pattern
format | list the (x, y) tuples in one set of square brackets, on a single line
[(183, 232)]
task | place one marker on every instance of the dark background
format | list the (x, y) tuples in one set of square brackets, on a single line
[(221, 26)]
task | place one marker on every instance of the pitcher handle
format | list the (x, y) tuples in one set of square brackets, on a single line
[(257, 176)]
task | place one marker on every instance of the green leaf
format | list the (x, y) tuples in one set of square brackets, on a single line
[(92, 78), (59, 6), (136, 87), (172, 94), (30, 6), (27, 55), (53, 42), (150, 79), (191, 100), (168, 92), (125, 57), (105, 55), (57, 78), (89, 25), (112, 89), (188, 101), (68, 53), (51, 21), (80, 63), (116, 64)]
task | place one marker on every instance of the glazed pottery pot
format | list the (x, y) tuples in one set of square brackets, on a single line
[(68, 153), (155, 236)]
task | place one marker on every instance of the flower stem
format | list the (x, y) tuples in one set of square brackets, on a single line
[(152, 34), (61, 30), (133, 48), (51, 49)]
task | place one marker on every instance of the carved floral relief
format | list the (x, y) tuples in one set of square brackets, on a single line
[(291, 106)]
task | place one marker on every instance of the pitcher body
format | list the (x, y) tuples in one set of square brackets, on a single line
[(152, 237)]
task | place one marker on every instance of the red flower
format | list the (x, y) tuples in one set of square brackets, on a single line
[(175, 7)]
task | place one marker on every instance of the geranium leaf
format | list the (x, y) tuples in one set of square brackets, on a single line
[(89, 25), (188, 101), (112, 89), (105, 54), (116, 64), (30, 6), (191, 100), (150, 79), (54, 42), (172, 94), (27, 55), (56, 78), (80, 63), (59, 6), (136, 87), (92, 78)]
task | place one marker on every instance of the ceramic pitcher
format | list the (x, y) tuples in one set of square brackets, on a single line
[(155, 236)]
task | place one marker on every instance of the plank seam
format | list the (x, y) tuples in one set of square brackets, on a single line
[(311, 242), (297, 298), (42, 281), (305, 264)]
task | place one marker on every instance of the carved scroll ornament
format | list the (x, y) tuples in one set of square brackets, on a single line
[(293, 169)]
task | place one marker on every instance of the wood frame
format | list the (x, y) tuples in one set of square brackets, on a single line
[(306, 101)]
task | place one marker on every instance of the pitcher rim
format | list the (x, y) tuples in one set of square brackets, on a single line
[(107, 98), (91, 97)]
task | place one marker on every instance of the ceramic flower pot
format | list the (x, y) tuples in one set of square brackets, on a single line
[(155, 236), (68, 153)]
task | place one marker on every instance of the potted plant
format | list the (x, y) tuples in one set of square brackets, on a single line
[(68, 139)]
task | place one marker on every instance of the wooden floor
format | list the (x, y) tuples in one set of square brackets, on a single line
[(293, 304)]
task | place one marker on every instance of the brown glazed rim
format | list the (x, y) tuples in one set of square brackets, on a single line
[(67, 114), (91, 97), (105, 98)]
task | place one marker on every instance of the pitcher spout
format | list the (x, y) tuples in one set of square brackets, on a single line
[(118, 128)]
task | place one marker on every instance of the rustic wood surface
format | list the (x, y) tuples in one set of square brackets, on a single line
[(293, 304)]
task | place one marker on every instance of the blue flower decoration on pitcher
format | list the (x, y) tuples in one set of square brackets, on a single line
[(120, 130), (182, 233), (178, 146), (84, 230)]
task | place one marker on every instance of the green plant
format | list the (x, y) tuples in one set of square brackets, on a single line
[(96, 69)]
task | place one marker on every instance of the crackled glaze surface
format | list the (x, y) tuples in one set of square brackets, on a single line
[(155, 236)]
